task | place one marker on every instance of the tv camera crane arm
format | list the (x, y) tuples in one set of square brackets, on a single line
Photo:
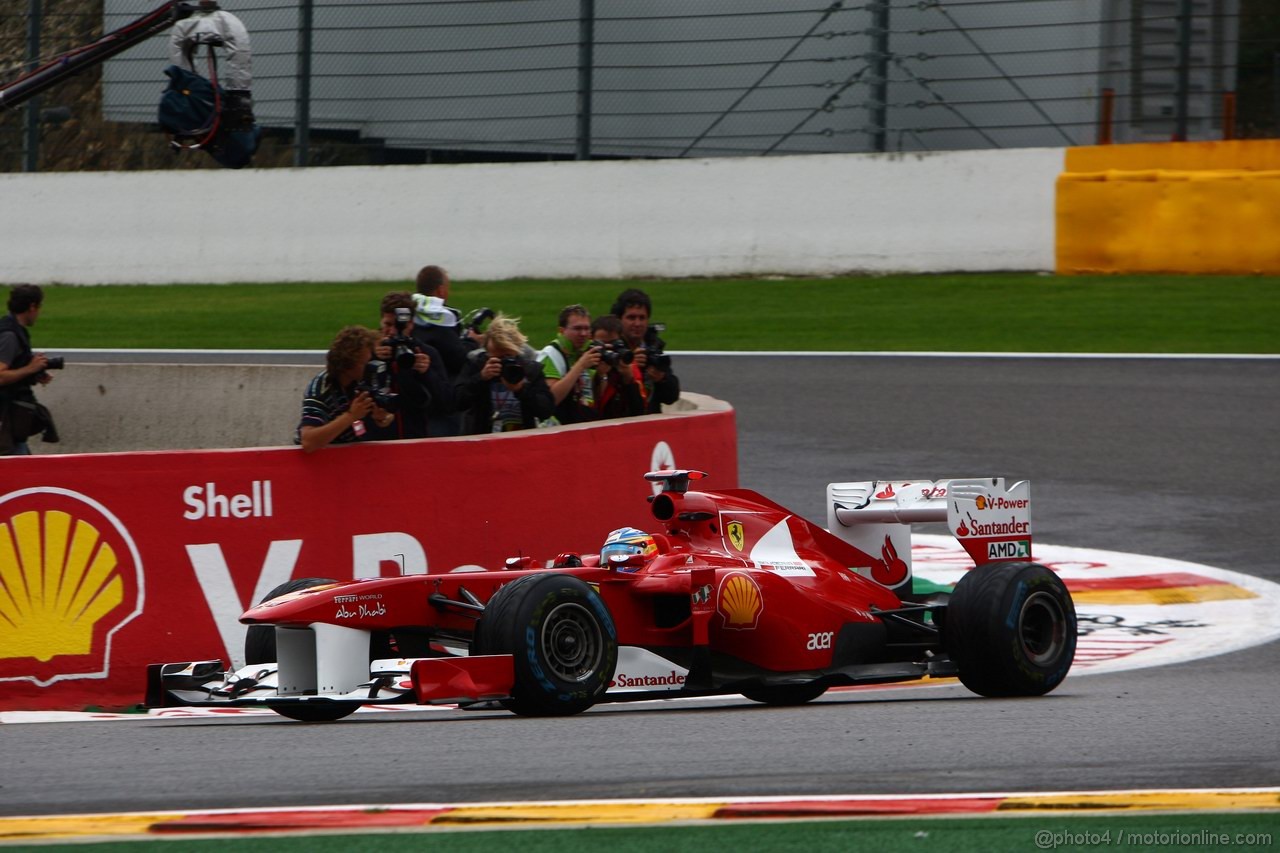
[(86, 56)]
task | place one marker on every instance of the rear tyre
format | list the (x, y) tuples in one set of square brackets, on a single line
[(1010, 628), (562, 639), (786, 694), (325, 712), (260, 640)]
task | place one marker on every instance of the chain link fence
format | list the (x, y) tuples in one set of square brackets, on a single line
[(412, 81)]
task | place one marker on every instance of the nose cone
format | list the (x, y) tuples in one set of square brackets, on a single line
[(306, 605)]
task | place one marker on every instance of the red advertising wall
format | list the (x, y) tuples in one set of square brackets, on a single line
[(109, 562)]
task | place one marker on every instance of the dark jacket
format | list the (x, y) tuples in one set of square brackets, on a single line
[(421, 397), (452, 346), (661, 393), (618, 399), (474, 400), (665, 392), (20, 390)]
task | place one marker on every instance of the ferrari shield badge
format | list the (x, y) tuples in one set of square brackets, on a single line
[(736, 538)]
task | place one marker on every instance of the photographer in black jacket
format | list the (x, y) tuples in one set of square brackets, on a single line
[(501, 387), (20, 370), (634, 308), (412, 371), (438, 325)]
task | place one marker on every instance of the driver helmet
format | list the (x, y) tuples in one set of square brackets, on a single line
[(628, 540)]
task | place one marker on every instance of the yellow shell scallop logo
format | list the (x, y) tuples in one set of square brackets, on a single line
[(740, 602), (69, 578)]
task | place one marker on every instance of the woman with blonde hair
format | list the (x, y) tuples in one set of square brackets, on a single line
[(501, 387)]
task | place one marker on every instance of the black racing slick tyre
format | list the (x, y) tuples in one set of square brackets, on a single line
[(1010, 628), (260, 640), (786, 694), (320, 712), (562, 639)]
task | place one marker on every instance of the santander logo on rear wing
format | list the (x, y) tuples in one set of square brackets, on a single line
[(991, 522)]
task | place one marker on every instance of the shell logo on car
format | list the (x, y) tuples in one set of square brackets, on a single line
[(740, 602), (70, 577)]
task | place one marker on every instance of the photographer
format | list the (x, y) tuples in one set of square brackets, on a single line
[(569, 366), (501, 387), (619, 385), (413, 374), (662, 387), (437, 325), (20, 369), (336, 404)]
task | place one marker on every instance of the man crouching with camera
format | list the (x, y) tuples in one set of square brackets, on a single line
[(501, 387), (338, 402), (21, 368), (411, 374)]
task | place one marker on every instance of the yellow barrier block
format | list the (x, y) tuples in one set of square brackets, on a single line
[(1155, 220), (1250, 154)]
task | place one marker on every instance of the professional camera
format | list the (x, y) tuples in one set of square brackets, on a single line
[(614, 353), (53, 362), (475, 321), (512, 370), (374, 383), (403, 347), (655, 348)]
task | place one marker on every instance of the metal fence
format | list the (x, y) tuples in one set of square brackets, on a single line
[(447, 80)]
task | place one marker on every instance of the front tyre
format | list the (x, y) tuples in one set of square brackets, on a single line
[(319, 712), (1010, 628), (562, 639)]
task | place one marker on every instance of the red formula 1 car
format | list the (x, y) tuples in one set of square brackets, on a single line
[(736, 594)]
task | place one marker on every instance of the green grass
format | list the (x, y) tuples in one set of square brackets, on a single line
[(967, 313), (979, 835)]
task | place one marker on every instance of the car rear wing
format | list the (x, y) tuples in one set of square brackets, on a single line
[(992, 523)]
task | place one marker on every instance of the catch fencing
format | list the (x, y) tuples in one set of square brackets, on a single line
[(411, 81)]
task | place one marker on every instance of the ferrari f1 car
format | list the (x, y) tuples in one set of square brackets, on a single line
[(735, 594)]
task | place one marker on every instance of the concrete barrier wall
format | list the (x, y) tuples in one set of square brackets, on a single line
[(103, 408), (822, 214), (111, 407)]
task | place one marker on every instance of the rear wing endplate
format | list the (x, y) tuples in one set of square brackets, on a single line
[(991, 522)]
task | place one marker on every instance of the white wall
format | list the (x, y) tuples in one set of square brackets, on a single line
[(809, 215)]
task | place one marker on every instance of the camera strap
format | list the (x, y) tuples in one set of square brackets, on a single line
[(556, 356)]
